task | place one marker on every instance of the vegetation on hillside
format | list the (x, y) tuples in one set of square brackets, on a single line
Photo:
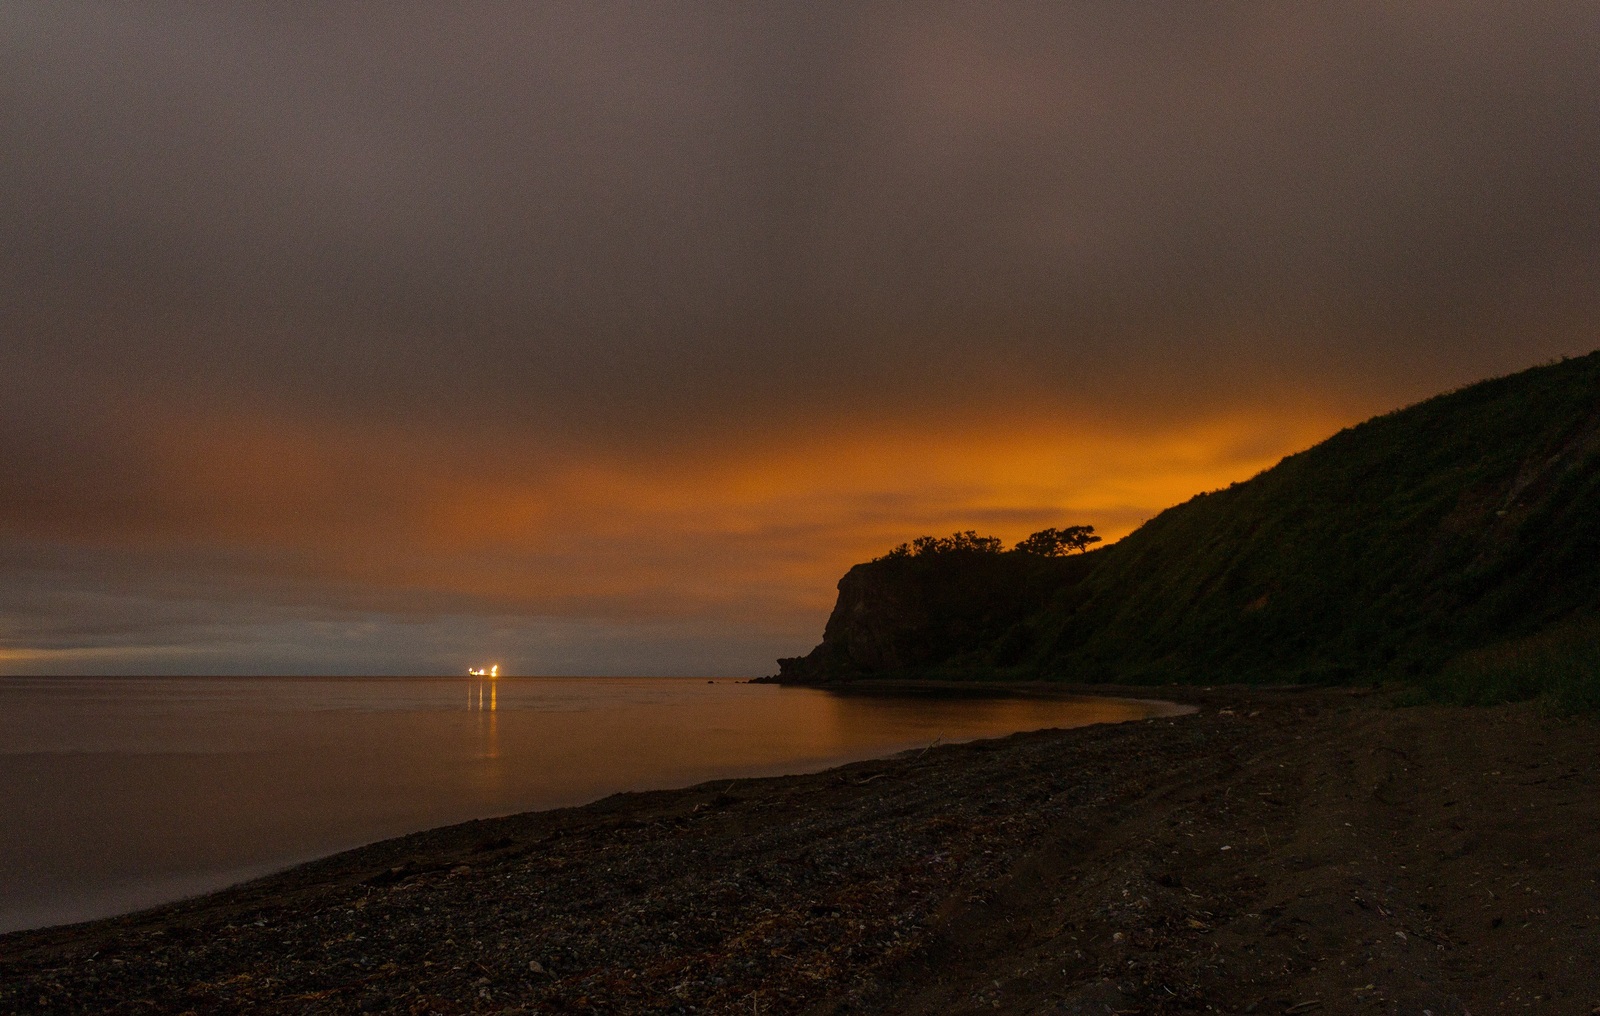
[(1045, 543), (1454, 545), (1055, 542), (1560, 666)]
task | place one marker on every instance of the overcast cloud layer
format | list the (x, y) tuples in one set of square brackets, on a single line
[(603, 338)]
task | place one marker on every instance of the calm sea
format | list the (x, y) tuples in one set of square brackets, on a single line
[(119, 793)]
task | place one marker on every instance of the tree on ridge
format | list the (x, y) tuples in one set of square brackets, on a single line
[(1055, 542), (968, 542), (1045, 543)]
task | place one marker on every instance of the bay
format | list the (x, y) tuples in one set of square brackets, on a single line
[(121, 793)]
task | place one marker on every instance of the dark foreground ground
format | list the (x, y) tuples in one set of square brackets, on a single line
[(1274, 853)]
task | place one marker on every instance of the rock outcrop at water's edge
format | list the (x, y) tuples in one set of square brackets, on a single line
[(925, 616)]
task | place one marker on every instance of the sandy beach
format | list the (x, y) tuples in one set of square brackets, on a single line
[(1273, 852)]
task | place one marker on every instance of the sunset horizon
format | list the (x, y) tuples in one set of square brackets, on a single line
[(605, 342)]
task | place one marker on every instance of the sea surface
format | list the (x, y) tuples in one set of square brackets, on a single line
[(120, 793)]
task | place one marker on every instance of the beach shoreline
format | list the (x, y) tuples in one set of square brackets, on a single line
[(1272, 849)]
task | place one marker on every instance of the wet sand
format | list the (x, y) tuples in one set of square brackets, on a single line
[(1274, 852)]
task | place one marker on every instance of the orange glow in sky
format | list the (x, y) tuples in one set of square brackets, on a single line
[(562, 330), (750, 535)]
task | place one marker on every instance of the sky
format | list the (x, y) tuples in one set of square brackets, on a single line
[(603, 338)]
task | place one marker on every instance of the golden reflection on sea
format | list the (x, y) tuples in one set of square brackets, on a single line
[(484, 697), (123, 792)]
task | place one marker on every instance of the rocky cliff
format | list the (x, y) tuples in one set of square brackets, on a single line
[(945, 614)]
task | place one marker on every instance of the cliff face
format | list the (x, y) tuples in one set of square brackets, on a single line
[(1459, 523), (915, 616)]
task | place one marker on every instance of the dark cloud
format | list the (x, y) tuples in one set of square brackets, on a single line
[(648, 203), (668, 233)]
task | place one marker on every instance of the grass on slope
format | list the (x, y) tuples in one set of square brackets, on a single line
[(1389, 550), (1560, 667)]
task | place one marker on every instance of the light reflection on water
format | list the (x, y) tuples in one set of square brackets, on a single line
[(123, 792)]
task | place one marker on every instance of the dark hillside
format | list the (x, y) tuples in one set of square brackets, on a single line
[(1463, 522)]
